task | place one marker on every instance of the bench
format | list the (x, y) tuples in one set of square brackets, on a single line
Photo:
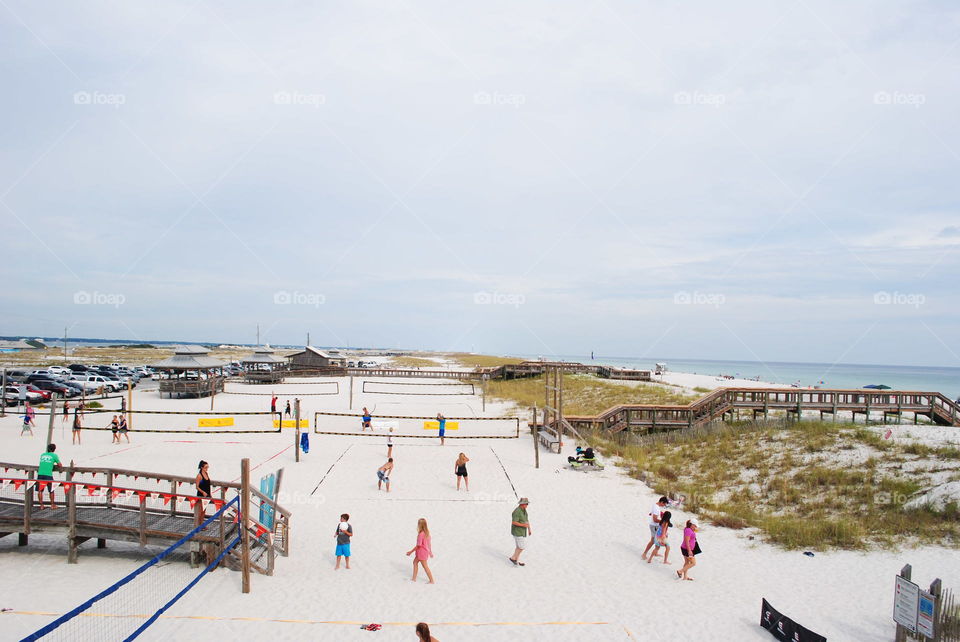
[(549, 438)]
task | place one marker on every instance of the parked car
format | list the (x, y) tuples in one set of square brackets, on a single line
[(76, 385), (82, 380), (99, 380), (58, 370), (43, 393), (115, 365), (32, 397), (32, 378), (56, 387), (77, 367), (143, 371)]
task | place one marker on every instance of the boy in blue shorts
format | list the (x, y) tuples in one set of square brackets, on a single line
[(343, 535)]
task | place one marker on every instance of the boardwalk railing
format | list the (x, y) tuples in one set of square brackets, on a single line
[(146, 508), (726, 403)]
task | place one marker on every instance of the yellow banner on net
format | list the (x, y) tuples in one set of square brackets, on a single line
[(291, 423), (214, 422), (435, 425)]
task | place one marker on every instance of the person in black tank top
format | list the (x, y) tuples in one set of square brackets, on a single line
[(203, 480), (460, 470)]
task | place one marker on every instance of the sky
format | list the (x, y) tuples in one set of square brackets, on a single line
[(748, 180)]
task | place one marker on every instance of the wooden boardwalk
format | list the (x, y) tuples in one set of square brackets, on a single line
[(147, 509), (756, 403)]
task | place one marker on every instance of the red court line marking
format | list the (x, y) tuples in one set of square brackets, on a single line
[(183, 441), (115, 452), (268, 459)]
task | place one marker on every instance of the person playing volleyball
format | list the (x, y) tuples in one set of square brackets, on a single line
[(365, 420), (443, 426), (383, 474)]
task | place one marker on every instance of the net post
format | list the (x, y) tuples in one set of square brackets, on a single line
[(129, 405), (53, 411), (351, 393), (296, 432), (536, 439), (244, 512)]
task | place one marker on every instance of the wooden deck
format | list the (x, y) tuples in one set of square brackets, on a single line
[(728, 403), (191, 387), (145, 513)]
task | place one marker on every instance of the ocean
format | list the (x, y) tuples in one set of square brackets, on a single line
[(825, 375)]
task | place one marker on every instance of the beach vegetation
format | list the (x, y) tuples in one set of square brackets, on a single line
[(799, 484)]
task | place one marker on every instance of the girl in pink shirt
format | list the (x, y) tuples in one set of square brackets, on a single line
[(422, 549)]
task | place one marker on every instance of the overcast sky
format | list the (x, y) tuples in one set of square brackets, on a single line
[(747, 180)]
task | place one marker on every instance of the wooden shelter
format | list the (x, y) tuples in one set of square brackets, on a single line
[(311, 358), (263, 366), (190, 371)]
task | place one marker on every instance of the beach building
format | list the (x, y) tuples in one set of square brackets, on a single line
[(190, 371), (312, 358), (263, 366)]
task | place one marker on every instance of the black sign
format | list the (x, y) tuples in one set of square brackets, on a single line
[(783, 628)]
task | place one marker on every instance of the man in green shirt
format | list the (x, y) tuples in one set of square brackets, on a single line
[(520, 529), (48, 461)]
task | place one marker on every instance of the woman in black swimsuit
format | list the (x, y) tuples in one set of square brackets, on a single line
[(124, 429), (114, 426), (460, 470), (203, 480)]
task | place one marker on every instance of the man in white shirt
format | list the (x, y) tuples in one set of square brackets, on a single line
[(655, 512)]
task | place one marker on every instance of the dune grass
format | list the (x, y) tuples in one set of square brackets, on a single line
[(467, 360), (814, 485), (585, 394), (406, 361)]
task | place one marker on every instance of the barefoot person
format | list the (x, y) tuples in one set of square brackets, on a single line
[(520, 529), (689, 549), (48, 461), (365, 420), (423, 633), (203, 479), (655, 512), (662, 540), (343, 535), (443, 426), (383, 474), (423, 551), (66, 412), (77, 413), (460, 470), (114, 426), (124, 429)]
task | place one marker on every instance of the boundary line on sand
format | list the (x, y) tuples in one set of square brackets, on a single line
[(215, 618), (329, 469), (505, 472)]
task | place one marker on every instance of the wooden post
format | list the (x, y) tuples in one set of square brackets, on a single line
[(483, 391), (536, 440), (53, 411), (936, 590), (3, 399), (129, 405), (71, 518), (109, 491), (296, 432), (213, 390), (244, 516), (351, 392), (905, 573)]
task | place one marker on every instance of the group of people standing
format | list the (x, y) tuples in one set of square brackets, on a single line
[(660, 525)]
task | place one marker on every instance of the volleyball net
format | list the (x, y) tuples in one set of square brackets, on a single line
[(126, 608), (186, 422), (329, 388), (415, 426), (416, 389)]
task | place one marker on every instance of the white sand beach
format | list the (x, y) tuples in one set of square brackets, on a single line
[(584, 579)]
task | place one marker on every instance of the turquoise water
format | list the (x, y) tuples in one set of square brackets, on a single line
[(825, 375)]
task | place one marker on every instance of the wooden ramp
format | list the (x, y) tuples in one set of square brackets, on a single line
[(728, 403), (138, 507)]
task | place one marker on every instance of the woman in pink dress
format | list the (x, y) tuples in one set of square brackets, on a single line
[(422, 549)]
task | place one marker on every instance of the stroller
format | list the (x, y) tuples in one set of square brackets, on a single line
[(584, 459)]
